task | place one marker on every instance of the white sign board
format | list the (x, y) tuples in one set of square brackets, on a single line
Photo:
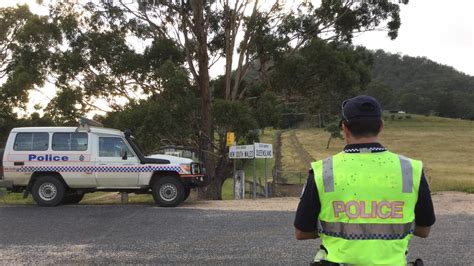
[(241, 152), (263, 150)]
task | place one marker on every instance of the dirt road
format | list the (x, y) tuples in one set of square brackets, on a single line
[(444, 202)]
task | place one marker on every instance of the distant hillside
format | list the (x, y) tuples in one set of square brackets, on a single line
[(419, 85)]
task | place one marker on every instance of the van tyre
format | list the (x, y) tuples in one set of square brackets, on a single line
[(73, 198), (168, 191), (187, 191), (48, 191)]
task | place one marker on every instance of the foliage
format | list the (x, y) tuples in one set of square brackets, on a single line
[(334, 131), (419, 85), (323, 75), (233, 116), (26, 53), (166, 118), (63, 107)]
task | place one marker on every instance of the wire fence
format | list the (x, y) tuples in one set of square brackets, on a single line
[(290, 177)]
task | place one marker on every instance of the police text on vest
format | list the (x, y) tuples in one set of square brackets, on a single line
[(369, 210)]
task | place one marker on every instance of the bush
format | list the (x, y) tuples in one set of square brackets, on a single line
[(408, 117), (392, 117)]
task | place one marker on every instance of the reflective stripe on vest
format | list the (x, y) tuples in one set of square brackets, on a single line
[(407, 174), (328, 175), (366, 231)]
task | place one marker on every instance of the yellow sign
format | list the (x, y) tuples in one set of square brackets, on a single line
[(230, 138)]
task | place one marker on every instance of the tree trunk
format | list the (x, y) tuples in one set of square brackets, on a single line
[(329, 142), (229, 48), (206, 134)]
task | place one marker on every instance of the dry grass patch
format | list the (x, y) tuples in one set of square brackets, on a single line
[(446, 147)]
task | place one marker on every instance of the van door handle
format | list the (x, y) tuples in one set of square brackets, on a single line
[(19, 163)]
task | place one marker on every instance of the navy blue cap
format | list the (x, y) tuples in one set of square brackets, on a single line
[(361, 106)]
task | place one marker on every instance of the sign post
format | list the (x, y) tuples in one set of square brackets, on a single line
[(241, 152), (230, 140), (264, 150), (235, 178), (255, 151), (266, 181), (254, 187), (239, 186)]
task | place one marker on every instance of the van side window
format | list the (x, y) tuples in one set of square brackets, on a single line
[(76, 141), (38, 141), (112, 147)]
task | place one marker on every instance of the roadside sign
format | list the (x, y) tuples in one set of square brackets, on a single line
[(230, 139), (257, 150), (241, 152), (263, 150)]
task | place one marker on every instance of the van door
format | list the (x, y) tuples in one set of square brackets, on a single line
[(113, 170)]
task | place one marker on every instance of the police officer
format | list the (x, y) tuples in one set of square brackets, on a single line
[(366, 202)]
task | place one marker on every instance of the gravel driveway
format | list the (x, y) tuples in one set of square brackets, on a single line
[(145, 234)]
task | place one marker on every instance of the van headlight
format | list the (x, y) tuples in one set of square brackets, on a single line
[(195, 168)]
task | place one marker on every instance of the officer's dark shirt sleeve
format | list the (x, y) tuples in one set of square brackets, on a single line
[(306, 218), (424, 211)]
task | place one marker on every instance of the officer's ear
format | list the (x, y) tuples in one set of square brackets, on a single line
[(381, 125), (345, 129), (344, 126)]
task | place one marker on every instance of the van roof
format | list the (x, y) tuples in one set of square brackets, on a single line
[(99, 130)]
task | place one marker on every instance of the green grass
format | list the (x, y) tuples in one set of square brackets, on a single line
[(14, 198), (446, 147), (89, 198)]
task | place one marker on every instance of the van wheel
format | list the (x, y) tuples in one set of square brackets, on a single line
[(73, 198), (187, 191), (48, 191), (168, 191)]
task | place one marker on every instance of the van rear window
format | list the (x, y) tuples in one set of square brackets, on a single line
[(35, 141), (76, 141)]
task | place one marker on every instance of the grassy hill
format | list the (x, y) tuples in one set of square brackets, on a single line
[(446, 147)]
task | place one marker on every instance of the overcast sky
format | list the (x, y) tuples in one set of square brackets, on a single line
[(443, 31)]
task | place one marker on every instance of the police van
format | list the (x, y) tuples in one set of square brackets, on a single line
[(58, 165)]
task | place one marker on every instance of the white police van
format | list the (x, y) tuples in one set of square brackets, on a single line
[(58, 165)]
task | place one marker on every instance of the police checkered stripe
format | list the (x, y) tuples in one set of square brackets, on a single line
[(370, 148), (99, 169), (366, 236)]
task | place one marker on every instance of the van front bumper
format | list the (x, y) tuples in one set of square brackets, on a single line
[(195, 180)]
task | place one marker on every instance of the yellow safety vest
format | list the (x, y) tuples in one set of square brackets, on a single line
[(367, 206)]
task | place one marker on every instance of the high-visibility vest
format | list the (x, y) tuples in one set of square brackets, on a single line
[(367, 206)]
